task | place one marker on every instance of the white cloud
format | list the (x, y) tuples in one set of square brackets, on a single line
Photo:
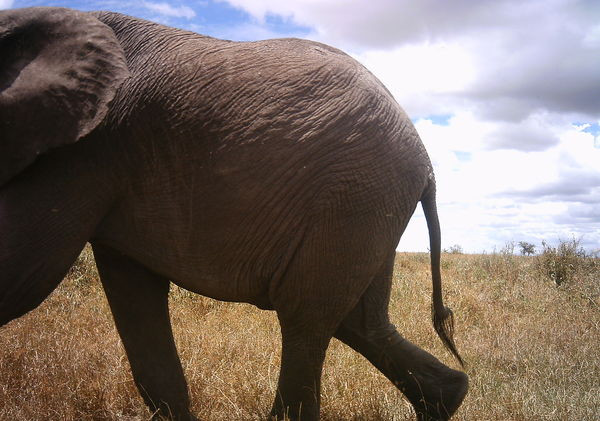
[(6, 4), (496, 196), (387, 23), (169, 10), (532, 134), (415, 72), (592, 37)]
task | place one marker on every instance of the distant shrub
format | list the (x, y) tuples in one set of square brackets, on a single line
[(561, 263), (455, 249), (527, 249), (508, 249)]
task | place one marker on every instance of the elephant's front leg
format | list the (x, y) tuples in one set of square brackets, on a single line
[(138, 300)]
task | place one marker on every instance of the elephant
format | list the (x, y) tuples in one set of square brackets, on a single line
[(279, 173)]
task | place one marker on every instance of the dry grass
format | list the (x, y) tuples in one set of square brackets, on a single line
[(531, 348)]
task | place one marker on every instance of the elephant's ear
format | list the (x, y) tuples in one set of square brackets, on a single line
[(59, 70)]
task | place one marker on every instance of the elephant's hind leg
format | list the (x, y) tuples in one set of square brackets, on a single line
[(435, 390), (330, 269), (138, 300), (299, 386)]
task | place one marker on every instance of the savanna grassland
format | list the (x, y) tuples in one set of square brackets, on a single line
[(528, 328)]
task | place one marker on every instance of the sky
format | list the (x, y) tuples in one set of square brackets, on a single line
[(505, 95)]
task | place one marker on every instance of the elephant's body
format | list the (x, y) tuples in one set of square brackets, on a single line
[(279, 173), (252, 190)]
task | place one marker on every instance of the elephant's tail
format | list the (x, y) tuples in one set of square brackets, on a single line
[(443, 319)]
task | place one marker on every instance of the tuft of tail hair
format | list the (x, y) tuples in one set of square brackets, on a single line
[(444, 326), (443, 319)]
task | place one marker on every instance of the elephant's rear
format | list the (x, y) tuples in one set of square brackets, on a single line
[(342, 159), (347, 169)]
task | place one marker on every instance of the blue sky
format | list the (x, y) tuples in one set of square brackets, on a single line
[(505, 95), (216, 18)]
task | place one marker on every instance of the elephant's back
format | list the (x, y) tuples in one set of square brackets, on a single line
[(266, 111), (279, 92)]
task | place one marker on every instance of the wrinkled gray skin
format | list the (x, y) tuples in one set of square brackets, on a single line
[(279, 173)]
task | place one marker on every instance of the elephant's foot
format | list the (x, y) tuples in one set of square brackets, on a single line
[(439, 399), (434, 389)]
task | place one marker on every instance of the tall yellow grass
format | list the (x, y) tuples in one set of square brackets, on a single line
[(531, 347)]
